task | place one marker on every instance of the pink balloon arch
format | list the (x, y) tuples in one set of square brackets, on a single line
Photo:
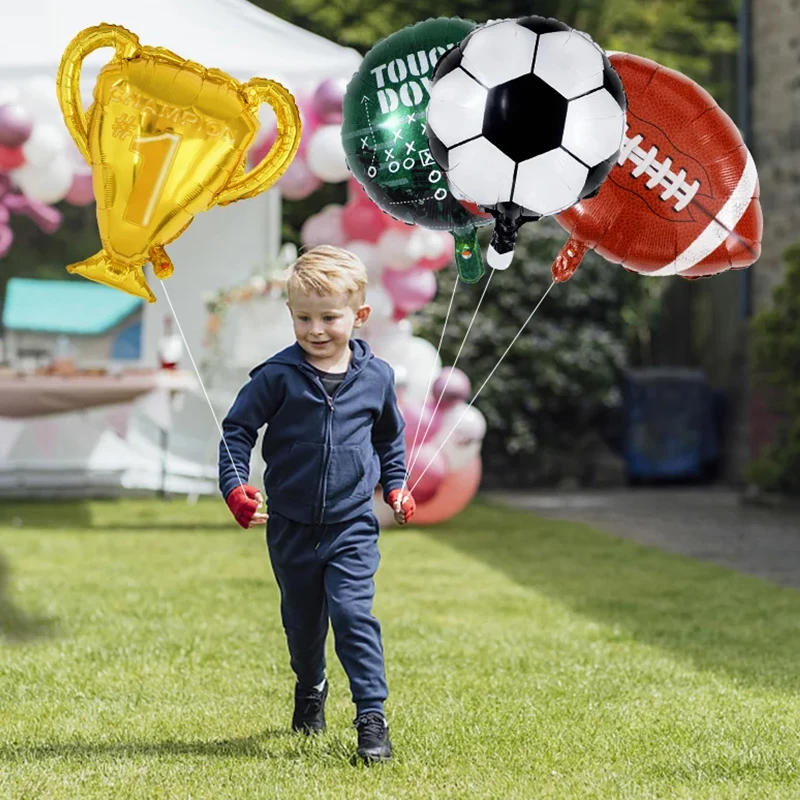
[(39, 167), (454, 494)]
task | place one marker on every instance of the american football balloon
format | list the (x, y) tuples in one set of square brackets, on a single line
[(682, 198)]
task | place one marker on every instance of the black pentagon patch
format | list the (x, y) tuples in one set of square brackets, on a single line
[(542, 25), (596, 177), (524, 117), (447, 63), (437, 148), (613, 84)]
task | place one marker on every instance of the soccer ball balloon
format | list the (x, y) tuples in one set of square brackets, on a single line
[(527, 117)]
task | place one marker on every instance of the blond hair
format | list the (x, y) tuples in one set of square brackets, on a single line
[(327, 270)]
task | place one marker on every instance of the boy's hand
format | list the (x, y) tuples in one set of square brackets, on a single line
[(244, 502), (403, 504)]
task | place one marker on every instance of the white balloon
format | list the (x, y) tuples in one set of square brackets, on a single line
[(324, 227), (432, 244), (368, 254), (380, 302), (46, 142), (9, 95), (325, 155), (386, 345), (397, 250), (419, 359), (404, 327), (41, 102), (387, 338), (47, 184), (400, 378), (464, 444)]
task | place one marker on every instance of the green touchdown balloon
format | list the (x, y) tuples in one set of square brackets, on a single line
[(383, 132)]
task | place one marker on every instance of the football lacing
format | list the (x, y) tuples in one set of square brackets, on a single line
[(645, 162)]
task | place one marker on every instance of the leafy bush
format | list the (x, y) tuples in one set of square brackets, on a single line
[(776, 357), (556, 392)]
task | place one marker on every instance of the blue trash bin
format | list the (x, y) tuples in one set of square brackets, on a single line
[(671, 426)]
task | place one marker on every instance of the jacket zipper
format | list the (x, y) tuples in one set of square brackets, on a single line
[(326, 465), (322, 486)]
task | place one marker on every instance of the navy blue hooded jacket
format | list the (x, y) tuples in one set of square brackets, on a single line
[(324, 455)]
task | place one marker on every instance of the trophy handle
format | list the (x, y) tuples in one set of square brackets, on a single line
[(275, 162), (68, 79)]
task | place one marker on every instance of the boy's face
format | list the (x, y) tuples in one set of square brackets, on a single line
[(323, 324)]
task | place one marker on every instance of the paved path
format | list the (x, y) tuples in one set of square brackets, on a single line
[(708, 524)]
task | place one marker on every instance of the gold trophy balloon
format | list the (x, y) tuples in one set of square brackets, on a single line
[(166, 139)]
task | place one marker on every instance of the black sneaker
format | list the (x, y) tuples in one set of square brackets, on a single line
[(309, 709), (373, 737)]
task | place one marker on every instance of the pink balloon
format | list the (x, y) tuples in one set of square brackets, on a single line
[(80, 193), (268, 134), (16, 125), (398, 225), (436, 263), (454, 494), (6, 239), (328, 100), (364, 221), (355, 192), (357, 196), (310, 121), (455, 385), (428, 472), (324, 228), (411, 289), (298, 182), (366, 252), (46, 217), (11, 157), (419, 419)]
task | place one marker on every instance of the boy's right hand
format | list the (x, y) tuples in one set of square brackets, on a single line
[(244, 502)]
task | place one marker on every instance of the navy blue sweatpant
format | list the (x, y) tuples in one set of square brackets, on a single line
[(326, 572)]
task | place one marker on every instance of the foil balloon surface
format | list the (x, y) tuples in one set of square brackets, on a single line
[(166, 139)]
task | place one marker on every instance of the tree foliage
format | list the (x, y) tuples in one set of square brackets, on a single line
[(557, 387), (684, 34), (776, 356)]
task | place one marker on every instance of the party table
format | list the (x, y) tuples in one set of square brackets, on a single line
[(37, 395)]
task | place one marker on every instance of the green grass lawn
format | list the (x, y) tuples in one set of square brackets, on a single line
[(142, 657)]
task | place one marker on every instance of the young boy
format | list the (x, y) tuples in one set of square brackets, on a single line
[(333, 432)]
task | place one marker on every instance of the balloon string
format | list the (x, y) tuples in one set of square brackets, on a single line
[(430, 378), (202, 385), (450, 374), (500, 360)]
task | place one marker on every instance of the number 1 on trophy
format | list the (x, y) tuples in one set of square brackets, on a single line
[(156, 154)]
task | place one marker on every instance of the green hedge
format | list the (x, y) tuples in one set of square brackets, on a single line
[(776, 360)]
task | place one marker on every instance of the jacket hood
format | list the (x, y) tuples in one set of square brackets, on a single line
[(296, 356)]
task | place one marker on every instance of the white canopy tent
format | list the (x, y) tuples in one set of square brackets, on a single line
[(223, 246), (233, 35)]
